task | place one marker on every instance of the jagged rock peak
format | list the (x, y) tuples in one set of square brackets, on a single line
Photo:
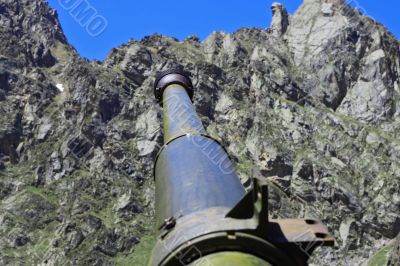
[(280, 19), (316, 109), (35, 18)]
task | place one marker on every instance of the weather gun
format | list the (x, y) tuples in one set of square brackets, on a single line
[(204, 215)]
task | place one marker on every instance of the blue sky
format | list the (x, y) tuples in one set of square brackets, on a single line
[(129, 19)]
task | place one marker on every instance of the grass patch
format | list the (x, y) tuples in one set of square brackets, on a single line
[(62, 52), (141, 254), (43, 194), (245, 166), (381, 257)]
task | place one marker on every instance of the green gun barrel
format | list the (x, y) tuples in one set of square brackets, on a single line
[(193, 173), (204, 215)]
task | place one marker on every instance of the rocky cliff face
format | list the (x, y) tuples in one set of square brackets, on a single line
[(312, 101)]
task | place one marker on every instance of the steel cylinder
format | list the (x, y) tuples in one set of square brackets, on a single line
[(192, 172), (180, 118), (230, 258)]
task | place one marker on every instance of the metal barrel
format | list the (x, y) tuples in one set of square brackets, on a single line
[(192, 171), (204, 215), (180, 117)]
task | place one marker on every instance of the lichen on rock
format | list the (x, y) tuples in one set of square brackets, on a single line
[(312, 101)]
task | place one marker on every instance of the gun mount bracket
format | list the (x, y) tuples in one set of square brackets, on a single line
[(299, 236)]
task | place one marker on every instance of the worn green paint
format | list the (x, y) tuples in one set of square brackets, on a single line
[(230, 258), (382, 256)]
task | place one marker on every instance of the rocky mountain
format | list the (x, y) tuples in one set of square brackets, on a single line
[(312, 101)]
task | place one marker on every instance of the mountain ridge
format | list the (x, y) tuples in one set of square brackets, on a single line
[(312, 101)]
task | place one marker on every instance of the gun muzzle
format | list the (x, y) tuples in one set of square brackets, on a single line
[(204, 215)]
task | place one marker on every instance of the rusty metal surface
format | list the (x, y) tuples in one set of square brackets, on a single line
[(210, 229), (230, 259), (297, 237), (298, 231)]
